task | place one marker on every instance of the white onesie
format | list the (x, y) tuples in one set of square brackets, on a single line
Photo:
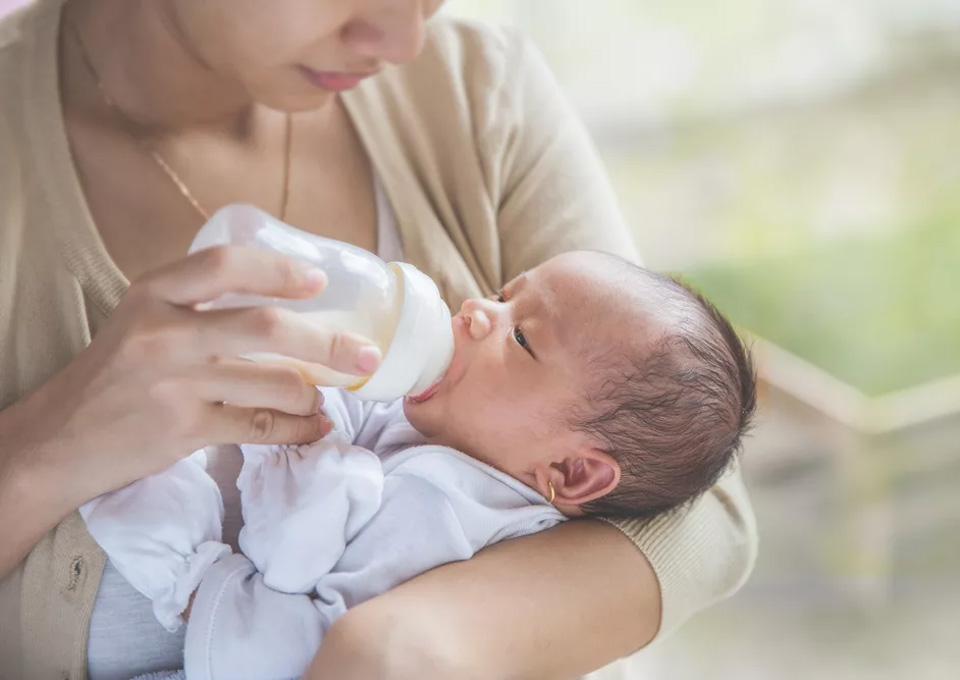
[(326, 526)]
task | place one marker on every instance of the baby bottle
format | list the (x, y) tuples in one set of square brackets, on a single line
[(395, 305)]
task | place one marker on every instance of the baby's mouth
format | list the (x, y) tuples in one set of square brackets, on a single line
[(426, 394)]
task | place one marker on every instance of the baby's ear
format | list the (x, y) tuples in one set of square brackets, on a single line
[(578, 480)]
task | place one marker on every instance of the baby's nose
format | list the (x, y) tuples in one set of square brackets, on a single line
[(478, 317)]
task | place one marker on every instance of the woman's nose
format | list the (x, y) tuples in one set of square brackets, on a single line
[(390, 31)]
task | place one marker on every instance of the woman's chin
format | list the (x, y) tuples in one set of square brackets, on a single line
[(292, 99)]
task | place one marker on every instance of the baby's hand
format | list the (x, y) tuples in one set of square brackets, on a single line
[(162, 533), (302, 504)]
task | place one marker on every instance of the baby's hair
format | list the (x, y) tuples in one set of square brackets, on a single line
[(674, 419)]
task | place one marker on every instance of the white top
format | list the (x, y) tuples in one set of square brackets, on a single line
[(332, 524), (327, 526), (125, 637)]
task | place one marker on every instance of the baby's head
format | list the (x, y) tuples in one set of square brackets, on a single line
[(622, 388)]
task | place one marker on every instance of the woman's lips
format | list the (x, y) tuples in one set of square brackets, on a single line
[(334, 81)]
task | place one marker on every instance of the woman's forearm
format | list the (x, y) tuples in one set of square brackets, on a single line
[(554, 605), (31, 501)]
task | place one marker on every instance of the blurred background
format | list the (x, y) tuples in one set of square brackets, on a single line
[(799, 161)]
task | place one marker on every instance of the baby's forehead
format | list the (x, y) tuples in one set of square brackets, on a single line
[(601, 308)]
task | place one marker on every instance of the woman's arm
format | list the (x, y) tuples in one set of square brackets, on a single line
[(553, 605), (574, 598), (555, 196), (158, 382), (32, 501)]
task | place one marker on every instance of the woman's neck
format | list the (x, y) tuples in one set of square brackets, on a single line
[(147, 68)]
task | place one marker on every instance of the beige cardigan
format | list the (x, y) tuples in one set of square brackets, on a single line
[(489, 173)]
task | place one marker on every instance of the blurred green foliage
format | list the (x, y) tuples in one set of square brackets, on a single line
[(879, 313), (797, 160)]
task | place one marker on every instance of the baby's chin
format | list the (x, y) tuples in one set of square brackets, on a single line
[(430, 421), (421, 417)]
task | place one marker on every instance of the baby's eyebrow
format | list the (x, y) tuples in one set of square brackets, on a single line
[(546, 310), (517, 281)]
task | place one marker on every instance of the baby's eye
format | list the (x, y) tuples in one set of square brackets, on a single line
[(500, 298), (521, 338)]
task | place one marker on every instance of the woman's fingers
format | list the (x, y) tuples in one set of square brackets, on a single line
[(231, 424), (246, 384), (234, 332), (208, 274)]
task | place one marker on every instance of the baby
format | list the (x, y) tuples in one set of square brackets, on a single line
[(587, 386)]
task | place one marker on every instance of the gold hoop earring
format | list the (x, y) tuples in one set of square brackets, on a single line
[(553, 493)]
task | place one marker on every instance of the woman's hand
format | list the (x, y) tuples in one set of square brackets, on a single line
[(161, 380)]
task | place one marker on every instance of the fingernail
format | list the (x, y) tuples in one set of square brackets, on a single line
[(326, 426), (314, 276), (368, 358)]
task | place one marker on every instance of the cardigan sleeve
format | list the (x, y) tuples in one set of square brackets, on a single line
[(553, 192), (554, 196)]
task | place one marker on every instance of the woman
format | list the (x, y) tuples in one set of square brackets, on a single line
[(123, 125)]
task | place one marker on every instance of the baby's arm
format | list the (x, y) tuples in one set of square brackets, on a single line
[(240, 628), (416, 530), (162, 533), (435, 509), (439, 506), (363, 422), (302, 505)]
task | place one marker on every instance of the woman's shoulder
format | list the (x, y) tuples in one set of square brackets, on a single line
[(476, 67), (14, 41), (19, 28), (469, 46), (12, 29), (27, 47), (14, 36)]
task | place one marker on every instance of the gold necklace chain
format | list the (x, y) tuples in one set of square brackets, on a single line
[(160, 161)]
